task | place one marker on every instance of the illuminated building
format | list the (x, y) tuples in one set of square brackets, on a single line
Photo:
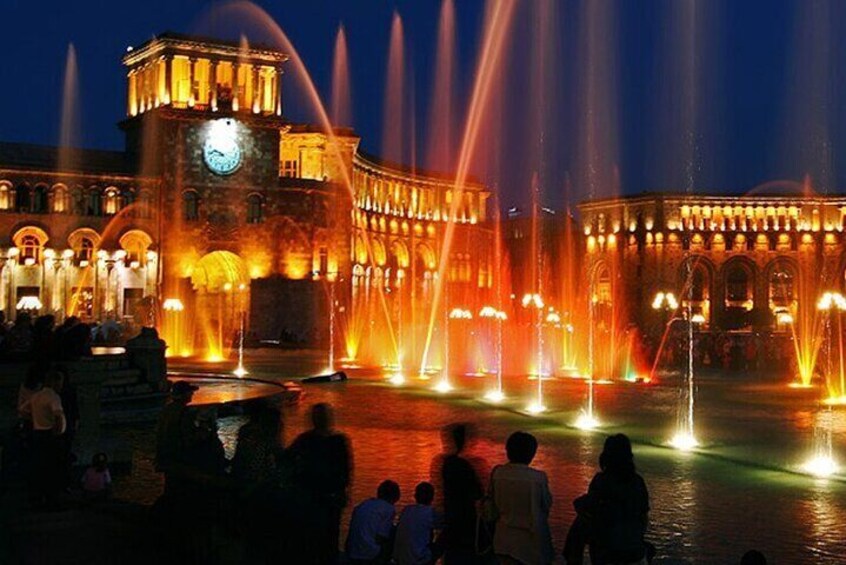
[(745, 263), (222, 203)]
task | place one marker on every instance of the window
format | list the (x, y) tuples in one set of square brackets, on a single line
[(22, 199), (112, 201), (782, 291), (61, 199), (737, 285), (30, 249), (39, 200), (85, 252), (94, 203), (324, 261), (5, 196), (78, 198), (290, 168), (82, 302), (190, 206), (254, 209)]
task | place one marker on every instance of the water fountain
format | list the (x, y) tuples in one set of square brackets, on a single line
[(822, 463)]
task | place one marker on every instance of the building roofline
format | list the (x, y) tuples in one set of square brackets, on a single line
[(221, 47), (399, 169), (709, 196)]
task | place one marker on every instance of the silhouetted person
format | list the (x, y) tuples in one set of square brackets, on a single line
[(77, 342), (461, 489), (614, 514), (522, 499), (256, 460), (322, 463), (174, 433), (415, 530), (61, 337), (370, 539), (20, 336), (753, 557), (70, 403), (48, 426), (43, 339)]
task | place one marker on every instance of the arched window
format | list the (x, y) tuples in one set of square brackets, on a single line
[(23, 198), (135, 243), (190, 206), (145, 204), (112, 201), (39, 199), (85, 252), (94, 203), (78, 200), (30, 249), (737, 285), (782, 286), (84, 243), (61, 199), (5, 196), (254, 209)]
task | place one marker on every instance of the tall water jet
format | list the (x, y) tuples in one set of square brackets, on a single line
[(249, 12), (240, 371), (535, 301), (393, 124), (69, 134), (441, 118), (822, 462), (497, 22), (686, 36), (341, 93)]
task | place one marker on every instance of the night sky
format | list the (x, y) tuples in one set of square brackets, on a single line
[(741, 93)]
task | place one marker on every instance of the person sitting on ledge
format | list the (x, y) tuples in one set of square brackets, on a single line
[(97, 480), (370, 539)]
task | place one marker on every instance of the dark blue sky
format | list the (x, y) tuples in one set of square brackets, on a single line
[(755, 84)]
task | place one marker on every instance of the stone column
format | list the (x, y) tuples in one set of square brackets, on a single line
[(132, 93), (256, 90), (236, 94), (213, 84), (192, 98), (278, 96), (168, 63)]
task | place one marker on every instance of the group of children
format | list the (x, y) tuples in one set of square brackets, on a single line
[(373, 538)]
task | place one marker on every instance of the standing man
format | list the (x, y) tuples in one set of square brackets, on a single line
[(322, 470), (48, 426)]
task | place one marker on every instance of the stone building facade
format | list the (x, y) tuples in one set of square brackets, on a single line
[(751, 263), (216, 190)]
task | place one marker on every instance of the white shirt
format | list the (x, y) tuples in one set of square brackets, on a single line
[(523, 500), (373, 517), (414, 534), (47, 411)]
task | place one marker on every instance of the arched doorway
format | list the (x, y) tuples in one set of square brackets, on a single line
[(222, 284)]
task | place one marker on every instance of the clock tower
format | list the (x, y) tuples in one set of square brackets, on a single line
[(205, 119)]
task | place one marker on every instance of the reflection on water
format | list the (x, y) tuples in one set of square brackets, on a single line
[(703, 510)]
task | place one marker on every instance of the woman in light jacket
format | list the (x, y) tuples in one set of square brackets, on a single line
[(522, 500)]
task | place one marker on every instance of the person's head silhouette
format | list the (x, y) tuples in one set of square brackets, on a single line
[(388, 491), (322, 418), (753, 557), (521, 447), (617, 456), (454, 438), (424, 493)]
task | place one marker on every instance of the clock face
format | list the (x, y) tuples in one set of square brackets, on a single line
[(221, 151)]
